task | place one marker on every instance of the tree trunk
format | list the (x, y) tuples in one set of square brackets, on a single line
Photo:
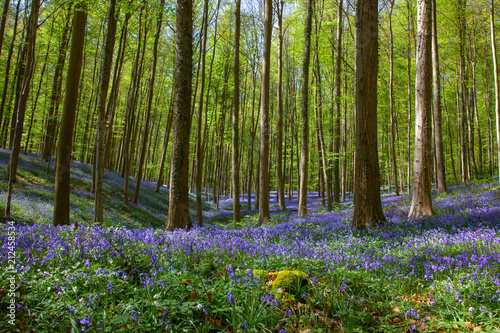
[(450, 134), (101, 105), (111, 108), (55, 98), (438, 132), (178, 208), (145, 134), (391, 103), (35, 103), (29, 51), (7, 66), (264, 116), (367, 203), (159, 183), (337, 116), (463, 92), (236, 110), (4, 19), (422, 174), (281, 187), (497, 88), (65, 143), (131, 105), (408, 75), (304, 146)]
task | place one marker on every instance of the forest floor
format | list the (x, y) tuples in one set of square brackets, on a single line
[(298, 274)]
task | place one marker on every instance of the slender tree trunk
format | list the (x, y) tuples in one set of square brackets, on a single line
[(199, 148), (319, 127), (7, 66), (450, 134), (178, 208), (2, 24), (422, 199), (264, 116), (35, 103), (101, 112), (111, 108), (391, 102), (338, 98), (281, 187), (304, 146), (145, 134), (18, 92), (55, 98), (159, 183), (487, 103), (438, 132), (236, 110), (497, 88), (29, 51), (408, 75), (367, 203), (463, 93), (131, 105), (65, 141)]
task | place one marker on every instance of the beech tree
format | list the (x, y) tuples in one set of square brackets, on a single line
[(281, 186), (65, 140), (497, 84), (304, 145), (103, 94), (264, 116), (367, 204), (147, 116), (28, 57), (236, 110), (438, 136), (422, 201), (178, 205)]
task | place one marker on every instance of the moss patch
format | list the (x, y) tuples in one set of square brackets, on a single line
[(290, 282)]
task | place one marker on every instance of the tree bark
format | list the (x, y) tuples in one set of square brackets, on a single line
[(2, 24), (199, 144), (367, 204), (281, 187), (159, 182), (422, 174), (438, 132), (336, 127), (236, 110), (111, 108), (391, 102), (264, 116), (145, 134), (408, 75), (304, 146), (7, 67), (131, 105), (101, 112), (497, 88), (178, 208), (55, 97), (29, 50), (65, 140), (35, 103)]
